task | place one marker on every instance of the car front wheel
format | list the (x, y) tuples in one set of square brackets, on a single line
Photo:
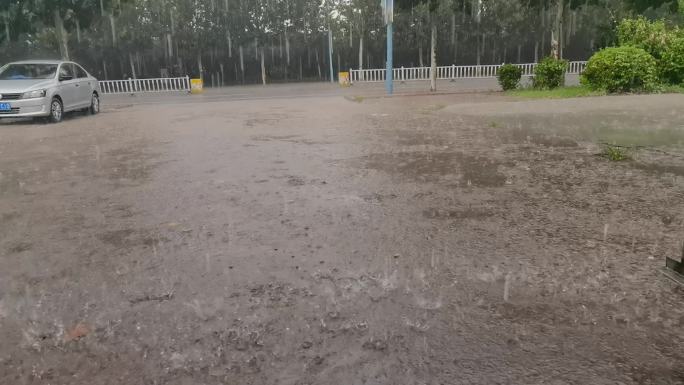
[(95, 104), (56, 111)]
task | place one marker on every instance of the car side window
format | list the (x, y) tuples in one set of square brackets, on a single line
[(80, 72), (66, 70)]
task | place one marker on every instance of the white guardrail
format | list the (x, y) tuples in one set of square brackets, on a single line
[(450, 72), (133, 86)]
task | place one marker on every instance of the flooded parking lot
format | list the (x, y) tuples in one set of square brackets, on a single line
[(466, 238)]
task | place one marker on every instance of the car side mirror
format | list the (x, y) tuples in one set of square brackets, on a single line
[(65, 77)]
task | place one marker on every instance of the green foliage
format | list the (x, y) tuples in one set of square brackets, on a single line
[(550, 73), (653, 36), (509, 76), (672, 62), (621, 69), (615, 153)]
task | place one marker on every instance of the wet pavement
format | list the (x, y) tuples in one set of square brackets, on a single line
[(467, 238)]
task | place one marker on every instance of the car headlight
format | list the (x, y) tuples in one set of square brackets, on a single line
[(34, 94)]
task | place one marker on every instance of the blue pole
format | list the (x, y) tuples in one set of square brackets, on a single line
[(389, 83)]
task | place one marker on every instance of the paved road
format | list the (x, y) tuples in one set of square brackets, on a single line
[(309, 90)]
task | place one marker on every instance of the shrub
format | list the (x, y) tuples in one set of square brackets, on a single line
[(672, 62), (509, 76), (550, 73), (621, 69), (615, 153), (652, 36)]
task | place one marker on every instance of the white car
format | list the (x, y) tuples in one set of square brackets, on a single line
[(46, 89)]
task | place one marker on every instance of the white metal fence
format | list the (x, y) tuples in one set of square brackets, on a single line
[(450, 72), (132, 86)]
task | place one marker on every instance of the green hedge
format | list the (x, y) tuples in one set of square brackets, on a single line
[(550, 73), (509, 76), (621, 69), (672, 62)]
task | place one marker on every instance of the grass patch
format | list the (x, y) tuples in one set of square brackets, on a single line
[(556, 93), (670, 89), (578, 92), (355, 99), (615, 153), (431, 108)]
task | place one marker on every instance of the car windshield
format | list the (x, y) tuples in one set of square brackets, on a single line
[(28, 71)]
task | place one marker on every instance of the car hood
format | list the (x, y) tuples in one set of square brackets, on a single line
[(19, 86)]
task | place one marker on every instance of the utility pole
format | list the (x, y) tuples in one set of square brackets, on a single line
[(388, 10)]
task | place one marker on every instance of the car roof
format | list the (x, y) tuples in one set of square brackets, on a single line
[(40, 62)]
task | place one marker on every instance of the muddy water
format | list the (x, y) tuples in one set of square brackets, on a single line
[(392, 241)]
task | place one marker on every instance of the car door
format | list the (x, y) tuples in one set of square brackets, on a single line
[(68, 86), (85, 89)]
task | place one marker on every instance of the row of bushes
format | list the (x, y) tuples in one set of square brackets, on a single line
[(649, 54), (549, 74)]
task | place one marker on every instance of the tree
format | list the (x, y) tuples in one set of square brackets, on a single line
[(432, 7), (148, 38)]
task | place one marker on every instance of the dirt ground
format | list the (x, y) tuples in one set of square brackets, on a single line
[(454, 239)]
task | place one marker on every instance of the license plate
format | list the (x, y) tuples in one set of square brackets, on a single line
[(5, 107)]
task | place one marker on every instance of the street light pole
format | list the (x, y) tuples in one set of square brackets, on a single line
[(389, 81), (388, 8)]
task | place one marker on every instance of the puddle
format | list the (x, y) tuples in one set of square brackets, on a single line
[(659, 169), (435, 166), (521, 135), (470, 213), (561, 130)]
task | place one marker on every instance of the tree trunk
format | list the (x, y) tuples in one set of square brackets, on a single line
[(287, 48), (453, 29), (536, 51), (330, 54), (318, 63), (113, 27), (130, 61), (456, 49), (361, 52), (104, 68), (230, 46), (78, 31), (242, 64), (7, 29), (433, 57), (557, 33), (263, 68), (300, 68), (199, 66), (256, 49), (519, 53), (62, 38), (420, 53)]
